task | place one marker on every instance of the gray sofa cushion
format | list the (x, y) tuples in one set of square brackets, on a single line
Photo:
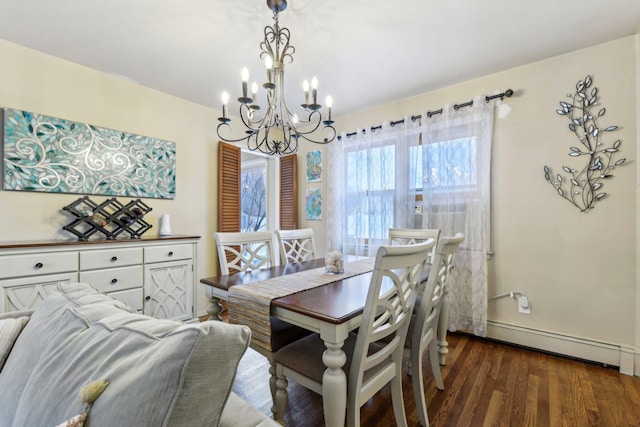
[(161, 372)]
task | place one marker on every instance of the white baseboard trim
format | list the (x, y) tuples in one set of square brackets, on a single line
[(626, 358)]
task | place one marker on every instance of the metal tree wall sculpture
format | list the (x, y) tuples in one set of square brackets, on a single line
[(583, 188)]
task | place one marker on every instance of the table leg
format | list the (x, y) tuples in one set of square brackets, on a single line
[(214, 309), (334, 385), (443, 325)]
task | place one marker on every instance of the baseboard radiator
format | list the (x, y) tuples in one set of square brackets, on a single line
[(626, 358)]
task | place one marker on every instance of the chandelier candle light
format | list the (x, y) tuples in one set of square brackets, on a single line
[(278, 130)]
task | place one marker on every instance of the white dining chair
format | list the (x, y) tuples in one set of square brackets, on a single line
[(239, 252), (296, 245), (423, 327), (244, 251), (373, 355), (409, 236)]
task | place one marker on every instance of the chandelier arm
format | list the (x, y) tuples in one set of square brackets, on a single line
[(245, 138), (311, 121), (245, 116), (289, 139), (326, 140)]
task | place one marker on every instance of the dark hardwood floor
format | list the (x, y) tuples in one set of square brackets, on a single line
[(486, 384)]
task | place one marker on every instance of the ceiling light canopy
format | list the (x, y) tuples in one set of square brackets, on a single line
[(277, 130)]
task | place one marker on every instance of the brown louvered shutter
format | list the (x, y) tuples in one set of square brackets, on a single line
[(288, 192), (229, 168)]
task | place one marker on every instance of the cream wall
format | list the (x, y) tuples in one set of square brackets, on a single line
[(578, 269), (44, 84)]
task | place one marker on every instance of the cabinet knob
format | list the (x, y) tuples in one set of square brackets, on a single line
[(147, 298), (39, 265), (114, 281), (170, 253), (114, 258)]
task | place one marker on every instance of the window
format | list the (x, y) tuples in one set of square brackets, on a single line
[(253, 195), (384, 180)]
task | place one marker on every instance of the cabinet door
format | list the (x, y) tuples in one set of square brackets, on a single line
[(28, 292), (168, 290)]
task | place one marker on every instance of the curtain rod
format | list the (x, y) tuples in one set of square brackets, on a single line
[(507, 93)]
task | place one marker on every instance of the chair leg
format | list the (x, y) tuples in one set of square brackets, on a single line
[(435, 364), (417, 381), (397, 399), (443, 326), (281, 397), (353, 413)]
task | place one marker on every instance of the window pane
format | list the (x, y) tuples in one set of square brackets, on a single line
[(370, 181), (254, 199), (444, 166)]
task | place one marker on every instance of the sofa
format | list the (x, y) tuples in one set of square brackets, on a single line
[(83, 358)]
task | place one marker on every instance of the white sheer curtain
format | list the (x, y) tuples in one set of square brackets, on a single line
[(442, 164), (456, 171)]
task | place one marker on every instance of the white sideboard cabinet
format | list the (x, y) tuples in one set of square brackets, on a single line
[(154, 275)]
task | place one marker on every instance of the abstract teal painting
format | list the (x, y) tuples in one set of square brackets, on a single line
[(314, 166), (314, 204), (49, 154)]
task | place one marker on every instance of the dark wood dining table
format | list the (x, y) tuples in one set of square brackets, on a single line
[(332, 310)]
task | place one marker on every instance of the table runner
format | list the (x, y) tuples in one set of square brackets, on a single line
[(251, 304)]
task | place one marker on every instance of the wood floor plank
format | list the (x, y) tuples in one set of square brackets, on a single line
[(461, 377), (555, 395), (471, 397), (494, 410), (543, 396), (489, 397), (531, 407), (486, 384), (604, 383)]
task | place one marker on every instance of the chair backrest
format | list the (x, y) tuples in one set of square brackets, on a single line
[(385, 320), (296, 245), (244, 251), (410, 236), (431, 299)]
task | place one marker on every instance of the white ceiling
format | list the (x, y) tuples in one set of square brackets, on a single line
[(364, 52)]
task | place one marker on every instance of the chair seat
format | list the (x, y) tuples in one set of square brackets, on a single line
[(305, 356), (283, 333), (296, 356)]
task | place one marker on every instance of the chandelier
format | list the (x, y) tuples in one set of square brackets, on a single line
[(277, 130)]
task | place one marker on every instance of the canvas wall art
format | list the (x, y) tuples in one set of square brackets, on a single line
[(314, 166), (49, 154), (314, 204)]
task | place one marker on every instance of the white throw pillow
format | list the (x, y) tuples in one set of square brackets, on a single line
[(9, 331)]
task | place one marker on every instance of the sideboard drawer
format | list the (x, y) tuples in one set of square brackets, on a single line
[(38, 264), (92, 260), (114, 279), (168, 253), (131, 297)]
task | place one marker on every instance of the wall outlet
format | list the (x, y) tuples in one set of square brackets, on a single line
[(417, 209), (524, 305)]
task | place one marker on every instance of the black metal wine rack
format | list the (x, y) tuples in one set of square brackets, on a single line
[(110, 218)]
